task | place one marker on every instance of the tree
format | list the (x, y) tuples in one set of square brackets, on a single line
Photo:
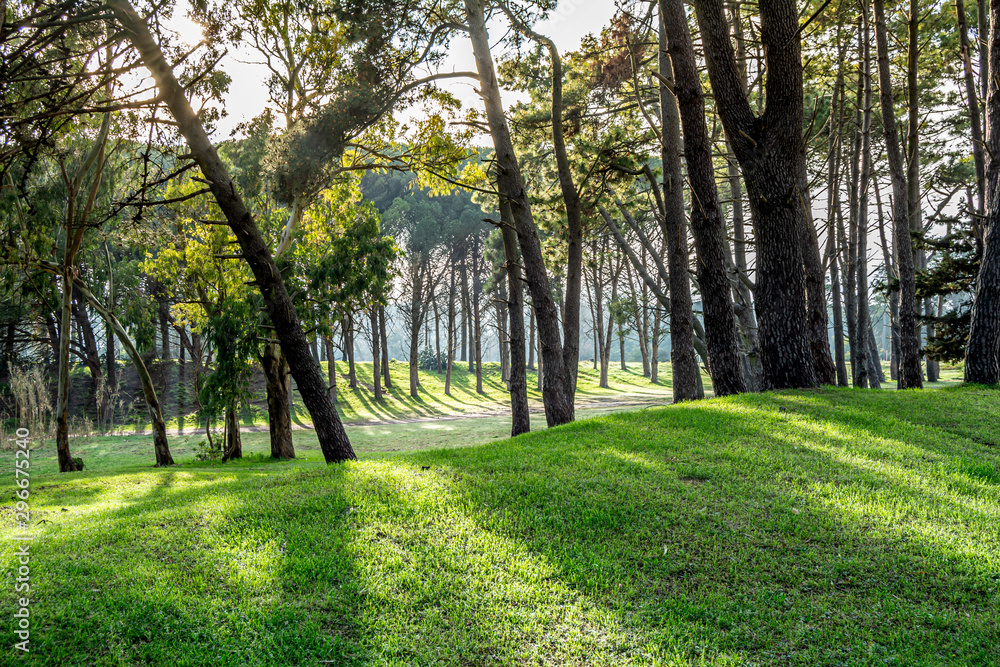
[(770, 151), (330, 431)]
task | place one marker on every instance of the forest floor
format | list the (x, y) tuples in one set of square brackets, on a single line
[(826, 527)]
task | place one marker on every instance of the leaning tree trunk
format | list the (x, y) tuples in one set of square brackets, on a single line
[(520, 419), (279, 422), (333, 439), (556, 394), (706, 214), (686, 379), (982, 355), (160, 446), (910, 376)]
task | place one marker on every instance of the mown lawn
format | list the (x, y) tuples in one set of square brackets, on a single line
[(833, 527)]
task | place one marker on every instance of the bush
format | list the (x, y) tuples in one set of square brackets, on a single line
[(427, 360)]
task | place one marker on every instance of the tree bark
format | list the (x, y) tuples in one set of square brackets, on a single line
[(863, 322), (451, 330), (910, 376), (686, 376), (279, 422), (975, 120), (385, 347), (376, 353), (982, 355), (707, 224), (520, 417), (333, 439), (234, 443), (769, 149), (557, 391), (477, 327)]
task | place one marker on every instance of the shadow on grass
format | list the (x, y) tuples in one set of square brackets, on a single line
[(724, 533)]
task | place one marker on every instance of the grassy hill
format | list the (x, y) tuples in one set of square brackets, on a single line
[(834, 527)]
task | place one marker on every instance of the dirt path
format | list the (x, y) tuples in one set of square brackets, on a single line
[(625, 401)]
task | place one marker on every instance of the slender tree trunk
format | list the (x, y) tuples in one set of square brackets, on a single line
[(531, 340), (707, 224), (352, 374), (279, 420), (451, 331), (160, 445), (910, 376), (466, 317), (234, 444), (557, 390), (331, 367), (833, 248), (416, 319), (377, 353), (982, 355), (863, 322), (385, 347), (978, 154), (686, 376), (520, 419), (437, 336), (477, 327), (329, 430)]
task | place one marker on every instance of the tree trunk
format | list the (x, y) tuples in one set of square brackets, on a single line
[(385, 347), (377, 354), (982, 355), (279, 422), (531, 339), (66, 461), (910, 376), (465, 314), (477, 328), (331, 368), (329, 430), (518, 384), (978, 154), (160, 446), (833, 216), (686, 376), (557, 390), (234, 443), (863, 377), (416, 313), (451, 330), (347, 323), (707, 224), (437, 335), (769, 149)]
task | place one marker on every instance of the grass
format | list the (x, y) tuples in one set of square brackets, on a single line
[(833, 527)]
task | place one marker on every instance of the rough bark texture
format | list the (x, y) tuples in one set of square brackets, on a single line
[(683, 362), (279, 422), (556, 396), (329, 429), (972, 100), (910, 376), (707, 224), (385, 347), (982, 356), (769, 148), (860, 356), (520, 418)]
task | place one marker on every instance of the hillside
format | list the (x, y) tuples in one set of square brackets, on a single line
[(818, 528)]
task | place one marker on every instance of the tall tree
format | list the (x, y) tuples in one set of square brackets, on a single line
[(910, 376), (770, 149), (707, 224), (982, 356)]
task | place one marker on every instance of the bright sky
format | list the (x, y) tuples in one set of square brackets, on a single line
[(247, 98)]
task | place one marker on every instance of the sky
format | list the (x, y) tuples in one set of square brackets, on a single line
[(566, 25)]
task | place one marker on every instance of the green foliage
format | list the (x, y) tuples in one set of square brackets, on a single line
[(952, 278), (232, 332)]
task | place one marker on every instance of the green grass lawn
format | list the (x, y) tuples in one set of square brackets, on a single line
[(833, 527)]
